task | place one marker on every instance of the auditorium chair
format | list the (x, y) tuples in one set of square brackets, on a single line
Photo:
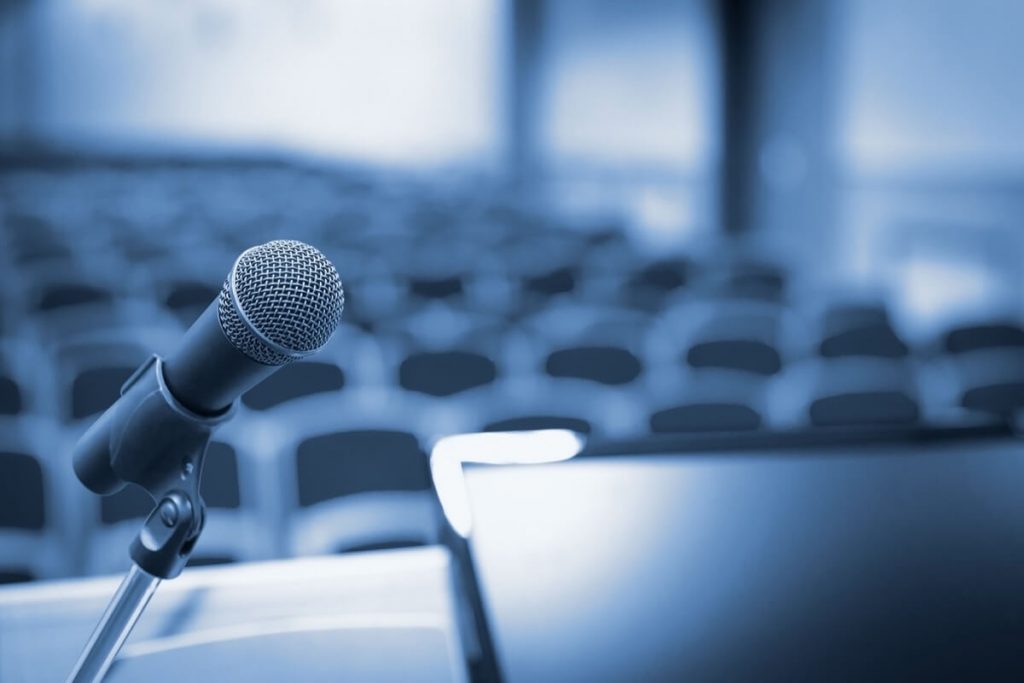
[(860, 330), (438, 269), (754, 280), (34, 505), (467, 374), (351, 359), (95, 374), (602, 269), (26, 378), (94, 366), (606, 364), (568, 322), (438, 326), (711, 399), (725, 357), (144, 246), (63, 306), (996, 334), (187, 299), (547, 284), (34, 239), (864, 391), (375, 482), (743, 341), (446, 373), (546, 265), (655, 283), (11, 396), (372, 298), (991, 380), (541, 402), (294, 381), (349, 470), (987, 365)]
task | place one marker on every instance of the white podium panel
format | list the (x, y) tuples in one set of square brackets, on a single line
[(377, 617)]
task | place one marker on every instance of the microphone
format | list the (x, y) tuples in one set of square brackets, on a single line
[(281, 301)]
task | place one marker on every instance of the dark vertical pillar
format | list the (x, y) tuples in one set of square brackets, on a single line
[(523, 88), (737, 24), (777, 118)]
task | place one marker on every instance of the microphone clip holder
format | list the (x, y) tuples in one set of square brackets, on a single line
[(149, 439)]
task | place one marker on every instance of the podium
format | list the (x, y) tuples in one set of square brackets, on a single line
[(376, 617)]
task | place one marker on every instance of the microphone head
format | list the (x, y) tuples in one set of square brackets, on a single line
[(282, 301)]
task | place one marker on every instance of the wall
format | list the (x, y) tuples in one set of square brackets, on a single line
[(392, 81)]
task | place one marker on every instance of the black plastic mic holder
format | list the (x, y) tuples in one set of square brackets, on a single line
[(150, 439)]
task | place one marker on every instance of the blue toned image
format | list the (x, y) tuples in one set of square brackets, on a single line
[(511, 341)]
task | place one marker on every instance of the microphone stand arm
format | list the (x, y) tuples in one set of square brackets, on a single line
[(162, 542), (149, 439)]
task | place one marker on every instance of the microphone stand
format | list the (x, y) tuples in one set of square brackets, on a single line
[(149, 439), (117, 622)]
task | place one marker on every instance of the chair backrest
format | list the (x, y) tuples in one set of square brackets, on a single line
[(64, 295), (991, 380), (94, 370), (705, 417), (295, 380), (560, 280), (664, 275), (34, 239), (26, 377), (22, 492), (23, 509), (860, 330), (445, 373), (652, 284), (131, 502), (852, 391), (747, 342), (220, 485), (544, 402), (11, 402), (186, 299), (71, 302), (439, 287), (984, 336), (756, 281), (609, 365), (93, 390), (343, 463), (867, 407), (539, 421)]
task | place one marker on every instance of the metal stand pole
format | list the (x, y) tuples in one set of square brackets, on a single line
[(150, 440), (159, 551), (117, 623)]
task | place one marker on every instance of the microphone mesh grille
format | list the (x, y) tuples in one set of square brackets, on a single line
[(291, 295)]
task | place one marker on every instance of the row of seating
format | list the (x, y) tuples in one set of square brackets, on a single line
[(274, 495), (466, 310), (82, 376)]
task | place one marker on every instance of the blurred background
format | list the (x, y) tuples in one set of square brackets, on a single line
[(621, 218)]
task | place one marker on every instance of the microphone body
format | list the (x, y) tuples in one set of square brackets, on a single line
[(281, 301), (206, 373)]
